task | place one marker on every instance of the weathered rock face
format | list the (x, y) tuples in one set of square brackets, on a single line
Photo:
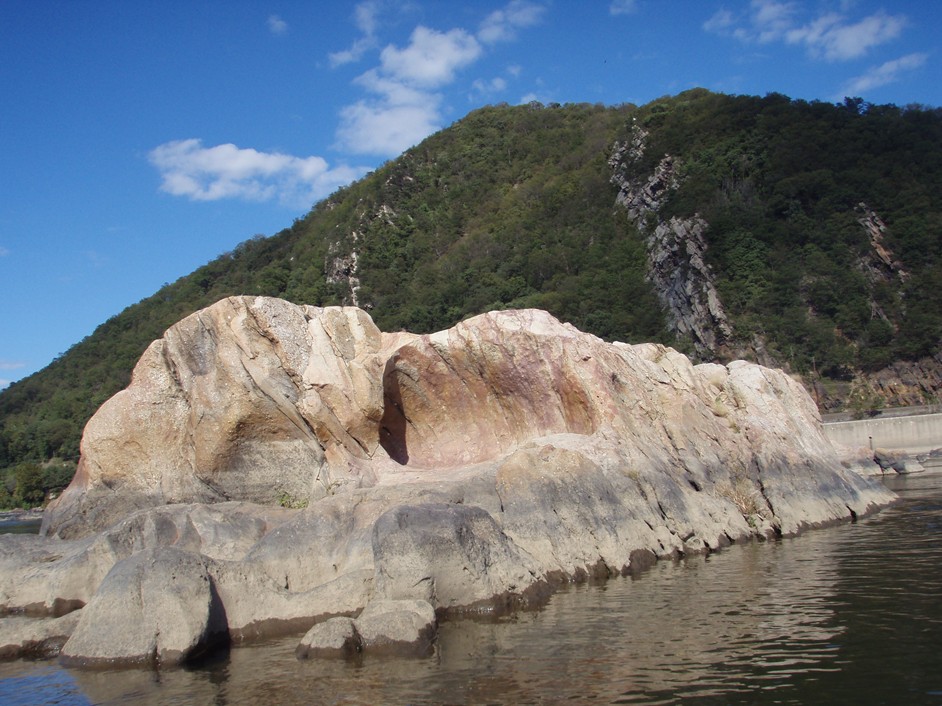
[(467, 470), (676, 249), (252, 399)]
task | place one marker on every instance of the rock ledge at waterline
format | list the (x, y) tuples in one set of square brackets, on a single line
[(463, 470)]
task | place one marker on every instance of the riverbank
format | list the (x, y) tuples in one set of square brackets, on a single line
[(35, 513), (21, 521), (813, 619)]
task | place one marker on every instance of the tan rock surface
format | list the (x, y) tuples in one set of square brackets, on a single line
[(468, 468)]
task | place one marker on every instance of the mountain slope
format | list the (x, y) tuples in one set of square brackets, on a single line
[(806, 235)]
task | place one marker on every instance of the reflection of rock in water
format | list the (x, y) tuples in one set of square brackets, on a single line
[(707, 625), (849, 611), (699, 626)]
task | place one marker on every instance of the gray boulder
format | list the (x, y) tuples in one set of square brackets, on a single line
[(896, 462), (50, 577), (401, 628), (21, 636), (336, 637), (456, 557), (405, 628), (156, 607)]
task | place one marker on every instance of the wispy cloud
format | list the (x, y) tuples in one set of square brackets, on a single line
[(366, 18), (403, 102), (95, 258), (226, 171), (276, 25), (9, 365), (886, 73), (721, 22), (834, 39), (623, 7), (830, 36), (496, 85), (3, 251), (502, 25)]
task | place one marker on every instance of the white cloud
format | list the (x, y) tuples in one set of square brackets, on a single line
[(227, 171), (3, 251), (366, 17), (398, 115), (830, 36), (431, 58), (883, 74), (276, 25), (489, 88), (5, 384), (502, 25), (404, 101), (622, 7), (353, 54), (771, 19), (720, 23), (369, 127), (367, 21)]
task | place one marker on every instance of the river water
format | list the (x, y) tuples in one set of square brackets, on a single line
[(846, 615)]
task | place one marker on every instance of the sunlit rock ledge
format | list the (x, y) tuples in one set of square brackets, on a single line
[(272, 466)]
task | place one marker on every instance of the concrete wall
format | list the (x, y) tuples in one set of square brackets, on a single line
[(915, 434)]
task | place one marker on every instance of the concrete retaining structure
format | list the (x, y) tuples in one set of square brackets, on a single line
[(915, 434)]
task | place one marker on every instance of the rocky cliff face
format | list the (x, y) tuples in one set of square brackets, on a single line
[(466, 469), (676, 249)]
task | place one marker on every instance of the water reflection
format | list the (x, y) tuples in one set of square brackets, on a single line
[(849, 614)]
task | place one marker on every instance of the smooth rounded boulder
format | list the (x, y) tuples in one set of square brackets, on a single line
[(155, 607)]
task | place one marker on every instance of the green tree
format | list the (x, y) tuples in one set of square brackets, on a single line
[(29, 490)]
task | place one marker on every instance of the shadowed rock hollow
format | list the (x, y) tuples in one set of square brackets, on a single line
[(462, 470)]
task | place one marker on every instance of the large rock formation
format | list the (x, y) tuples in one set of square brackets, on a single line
[(467, 470), (250, 399)]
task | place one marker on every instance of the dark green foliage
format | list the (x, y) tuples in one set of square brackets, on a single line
[(23, 486), (27, 484), (780, 183), (512, 207)]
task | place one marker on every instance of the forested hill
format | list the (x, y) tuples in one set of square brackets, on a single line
[(806, 235)]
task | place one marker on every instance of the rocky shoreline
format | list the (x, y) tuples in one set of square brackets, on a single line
[(275, 468), (8, 516)]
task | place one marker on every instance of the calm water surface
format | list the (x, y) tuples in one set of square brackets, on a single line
[(846, 615), (20, 525)]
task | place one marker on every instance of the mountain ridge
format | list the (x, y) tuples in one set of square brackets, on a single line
[(820, 229)]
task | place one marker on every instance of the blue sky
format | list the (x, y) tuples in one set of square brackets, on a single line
[(140, 140)]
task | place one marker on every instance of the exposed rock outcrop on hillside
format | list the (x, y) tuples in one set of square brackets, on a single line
[(463, 470), (676, 249)]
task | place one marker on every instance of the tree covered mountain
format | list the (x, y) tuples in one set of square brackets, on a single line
[(802, 234)]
